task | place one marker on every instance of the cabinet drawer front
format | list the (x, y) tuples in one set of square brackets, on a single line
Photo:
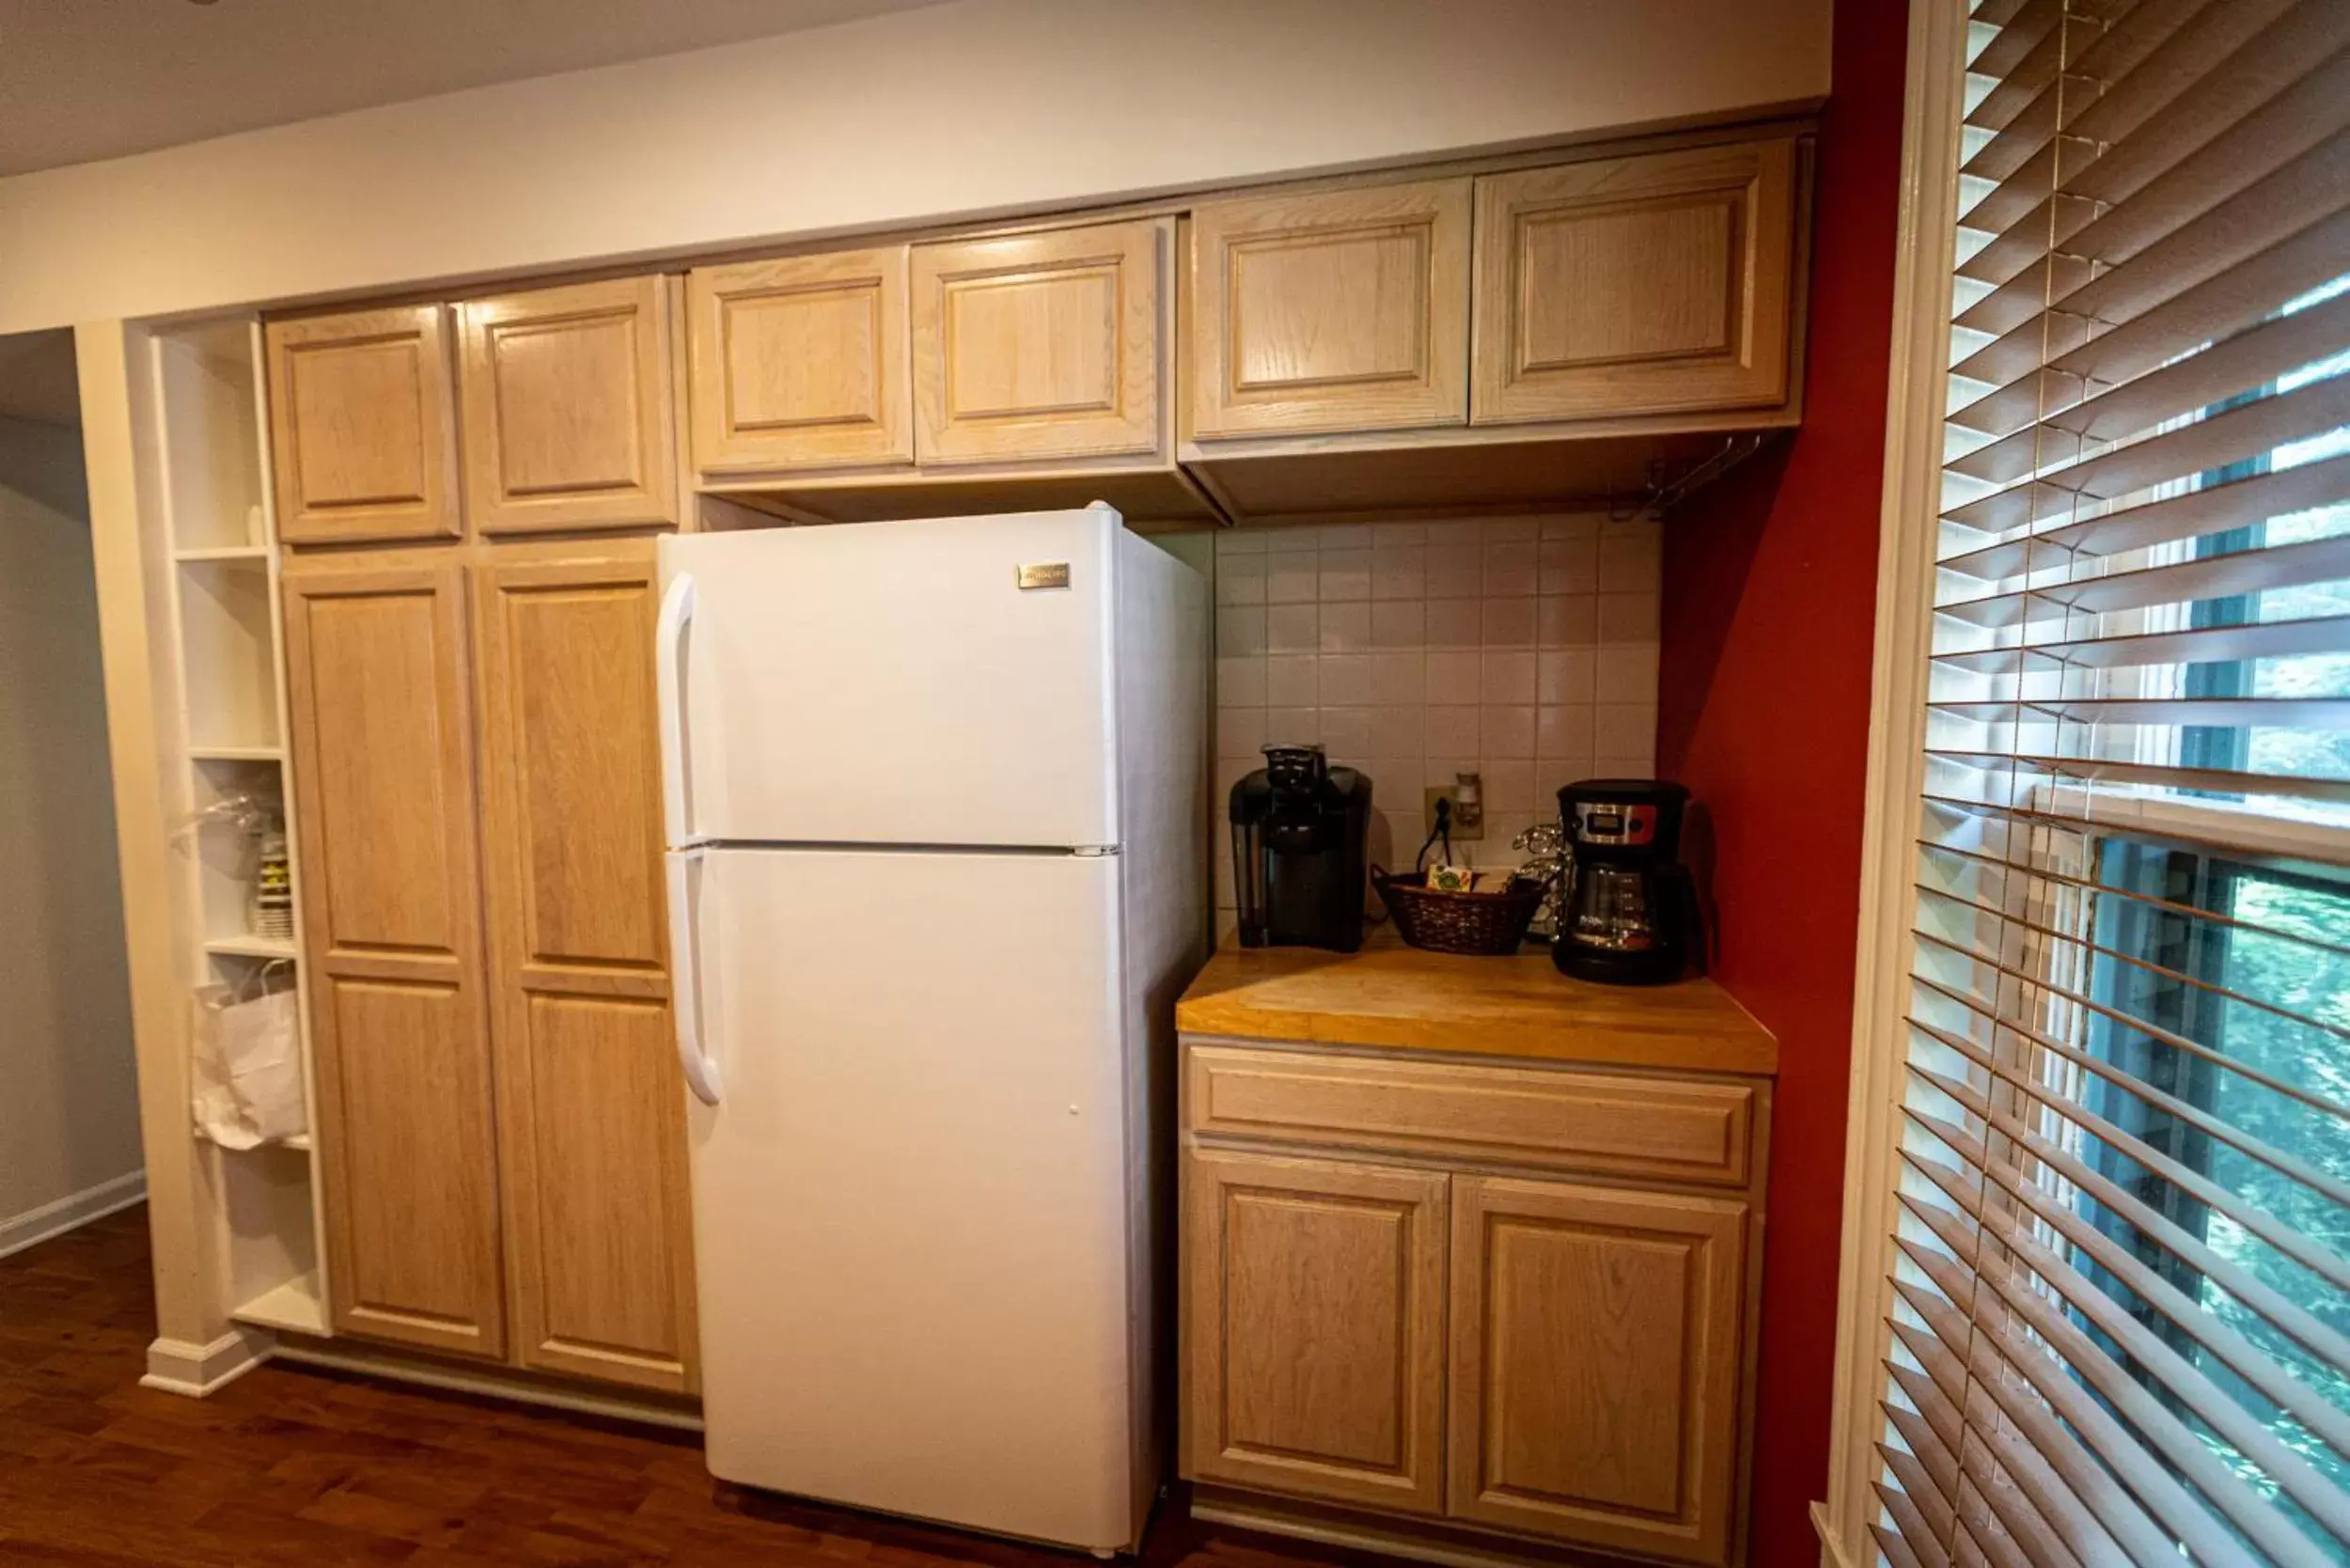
[(1040, 345), (1341, 310), (1673, 1131), (1631, 286)]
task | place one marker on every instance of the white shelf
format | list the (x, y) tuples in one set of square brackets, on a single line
[(299, 1141), (236, 754), (294, 1306), (257, 554), (249, 947)]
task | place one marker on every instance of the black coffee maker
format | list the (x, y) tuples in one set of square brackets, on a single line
[(1629, 915), (1299, 830)]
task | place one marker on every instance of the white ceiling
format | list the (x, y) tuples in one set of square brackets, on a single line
[(87, 79)]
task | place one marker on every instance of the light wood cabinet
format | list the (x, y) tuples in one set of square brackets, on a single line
[(383, 752), (592, 1125), (1588, 1337), (1595, 1363), (801, 363), (1314, 1327), (1331, 310), (1632, 285), (567, 409), (1042, 345), (362, 427)]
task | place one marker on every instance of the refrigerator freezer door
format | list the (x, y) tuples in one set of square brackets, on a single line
[(943, 681), (909, 1205)]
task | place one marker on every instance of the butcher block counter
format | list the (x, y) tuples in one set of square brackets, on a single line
[(1392, 995), (1470, 1254)]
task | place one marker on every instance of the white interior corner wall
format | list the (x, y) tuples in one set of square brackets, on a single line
[(68, 1091), (962, 110)]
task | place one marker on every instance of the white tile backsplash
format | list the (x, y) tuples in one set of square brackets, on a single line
[(1523, 648)]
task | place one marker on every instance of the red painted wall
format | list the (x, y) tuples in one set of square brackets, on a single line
[(1769, 600)]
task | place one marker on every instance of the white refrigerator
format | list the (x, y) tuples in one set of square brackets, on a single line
[(935, 799)]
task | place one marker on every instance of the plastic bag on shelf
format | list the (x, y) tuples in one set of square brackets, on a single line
[(247, 1065)]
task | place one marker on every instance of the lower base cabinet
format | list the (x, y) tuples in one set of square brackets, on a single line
[(1529, 1356), (501, 1119)]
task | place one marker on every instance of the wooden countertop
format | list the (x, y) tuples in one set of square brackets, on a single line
[(1392, 995)]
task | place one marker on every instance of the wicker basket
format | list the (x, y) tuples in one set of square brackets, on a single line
[(1486, 924)]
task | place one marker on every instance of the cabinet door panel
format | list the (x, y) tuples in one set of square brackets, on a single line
[(418, 1198), (801, 363), (382, 773), (1635, 285), (361, 427), (1331, 312), (1041, 345), (603, 1216), (1595, 1364), (1313, 1327), (590, 1104), (565, 395)]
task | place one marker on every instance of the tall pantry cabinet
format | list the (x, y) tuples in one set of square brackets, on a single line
[(468, 613)]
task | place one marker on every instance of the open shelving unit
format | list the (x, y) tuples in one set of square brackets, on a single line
[(204, 425)]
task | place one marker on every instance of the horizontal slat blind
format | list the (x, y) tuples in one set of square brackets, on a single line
[(2121, 1263)]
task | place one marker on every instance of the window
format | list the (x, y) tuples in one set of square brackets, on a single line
[(2117, 1246)]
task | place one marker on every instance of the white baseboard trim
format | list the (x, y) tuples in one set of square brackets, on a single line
[(35, 1226), (194, 1370)]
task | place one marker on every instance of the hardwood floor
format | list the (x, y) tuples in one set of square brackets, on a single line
[(290, 1465)]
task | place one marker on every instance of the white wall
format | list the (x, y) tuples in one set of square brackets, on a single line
[(69, 1098), (975, 107)]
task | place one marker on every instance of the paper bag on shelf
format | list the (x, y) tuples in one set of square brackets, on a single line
[(248, 1069)]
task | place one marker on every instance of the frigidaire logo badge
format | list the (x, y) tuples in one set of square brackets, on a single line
[(1044, 574)]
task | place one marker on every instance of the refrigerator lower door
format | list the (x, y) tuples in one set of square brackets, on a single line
[(909, 1201), (938, 682)]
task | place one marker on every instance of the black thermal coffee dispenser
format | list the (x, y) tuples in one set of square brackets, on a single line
[(1299, 830)]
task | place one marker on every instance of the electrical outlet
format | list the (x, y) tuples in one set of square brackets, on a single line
[(1468, 820)]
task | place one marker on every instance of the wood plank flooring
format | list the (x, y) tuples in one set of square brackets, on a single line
[(295, 1467)]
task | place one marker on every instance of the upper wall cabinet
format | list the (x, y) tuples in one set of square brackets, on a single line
[(1635, 286), (568, 416), (801, 363), (362, 425), (1047, 345), (1333, 310)]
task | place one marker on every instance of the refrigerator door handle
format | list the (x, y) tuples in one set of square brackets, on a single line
[(686, 986), (677, 619)]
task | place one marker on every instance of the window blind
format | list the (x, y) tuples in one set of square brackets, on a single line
[(2121, 1267)]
